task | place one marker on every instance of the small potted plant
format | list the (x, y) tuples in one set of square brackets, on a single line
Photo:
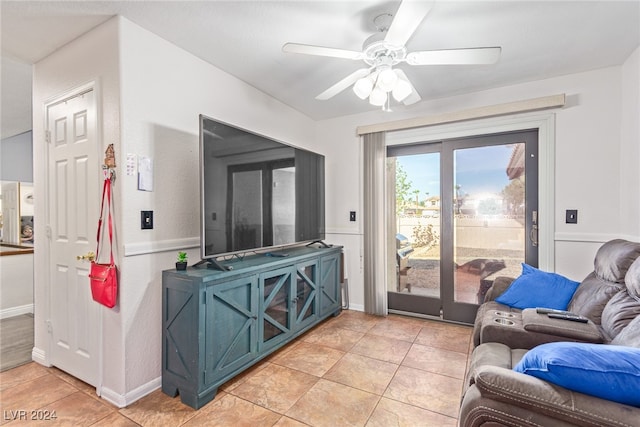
[(181, 264)]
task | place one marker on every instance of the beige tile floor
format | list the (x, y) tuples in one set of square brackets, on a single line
[(352, 370)]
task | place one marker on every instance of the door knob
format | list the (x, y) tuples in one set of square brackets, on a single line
[(90, 256), (533, 234)]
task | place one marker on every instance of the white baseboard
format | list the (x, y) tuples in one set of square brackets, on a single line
[(16, 311), (40, 356), (127, 399), (112, 397), (356, 307)]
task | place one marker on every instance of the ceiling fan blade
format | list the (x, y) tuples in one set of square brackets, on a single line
[(343, 84), (306, 49), (478, 55), (414, 96), (406, 20)]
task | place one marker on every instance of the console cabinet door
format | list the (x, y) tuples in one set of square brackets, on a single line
[(306, 294), (330, 297), (231, 327), (276, 300), (180, 324)]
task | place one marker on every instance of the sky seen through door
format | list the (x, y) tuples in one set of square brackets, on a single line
[(475, 171)]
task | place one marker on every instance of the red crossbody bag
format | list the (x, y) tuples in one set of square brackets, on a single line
[(104, 277)]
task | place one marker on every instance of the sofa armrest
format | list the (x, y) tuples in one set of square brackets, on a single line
[(500, 284), (533, 321), (499, 392)]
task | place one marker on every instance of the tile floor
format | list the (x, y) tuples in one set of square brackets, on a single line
[(352, 370)]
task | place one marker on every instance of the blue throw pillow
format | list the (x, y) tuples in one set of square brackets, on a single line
[(610, 372), (535, 288)]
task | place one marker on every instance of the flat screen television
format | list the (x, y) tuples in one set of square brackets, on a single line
[(256, 193)]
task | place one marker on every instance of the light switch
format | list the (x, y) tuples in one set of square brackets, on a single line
[(146, 220), (572, 216)]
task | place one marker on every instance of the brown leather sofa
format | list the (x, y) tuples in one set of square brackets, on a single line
[(601, 293), (496, 395)]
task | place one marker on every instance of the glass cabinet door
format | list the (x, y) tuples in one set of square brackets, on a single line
[(330, 290), (275, 288), (306, 297)]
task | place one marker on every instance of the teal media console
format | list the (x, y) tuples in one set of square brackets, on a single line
[(215, 324)]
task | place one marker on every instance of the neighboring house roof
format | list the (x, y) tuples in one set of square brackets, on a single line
[(515, 168)]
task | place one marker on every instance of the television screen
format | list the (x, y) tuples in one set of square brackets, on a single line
[(255, 192)]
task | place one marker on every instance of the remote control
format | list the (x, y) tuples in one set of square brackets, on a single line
[(542, 310), (277, 254), (571, 317)]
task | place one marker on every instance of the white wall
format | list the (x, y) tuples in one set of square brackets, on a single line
[(91, 57), (16, 285), (16, 161), (590, 142), (630, 152), (163, 90)]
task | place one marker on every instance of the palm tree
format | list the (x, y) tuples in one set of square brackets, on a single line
[(458, 201)]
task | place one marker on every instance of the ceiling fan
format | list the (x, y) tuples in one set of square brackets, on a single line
[(386, 49)]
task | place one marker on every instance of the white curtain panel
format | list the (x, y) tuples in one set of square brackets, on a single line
[(375, 230)]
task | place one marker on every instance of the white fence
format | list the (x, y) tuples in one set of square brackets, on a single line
[(481, 231)]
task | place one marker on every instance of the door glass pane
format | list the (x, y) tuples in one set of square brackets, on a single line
[(284, 205), (488, 205), (246, 213), (417, 223)]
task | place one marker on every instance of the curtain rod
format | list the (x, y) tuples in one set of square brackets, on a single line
[(535, 104)]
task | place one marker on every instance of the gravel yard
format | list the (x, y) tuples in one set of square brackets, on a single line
[(473, 264)]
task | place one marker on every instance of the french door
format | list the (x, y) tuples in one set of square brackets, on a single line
[(466, 211), (261, 197)]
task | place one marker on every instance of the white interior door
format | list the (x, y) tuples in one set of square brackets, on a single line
[(73, 205)]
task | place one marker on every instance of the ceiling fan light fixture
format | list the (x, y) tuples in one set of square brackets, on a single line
[(386, 49), (363, 87), (378, 97), (402, 88), (387, 79), (387, 106)]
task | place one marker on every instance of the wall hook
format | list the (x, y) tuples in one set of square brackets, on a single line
[(108, 168)]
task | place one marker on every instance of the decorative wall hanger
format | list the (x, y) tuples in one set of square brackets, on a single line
[(109, 162)]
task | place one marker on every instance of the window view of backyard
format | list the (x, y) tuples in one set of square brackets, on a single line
[(488, 219)]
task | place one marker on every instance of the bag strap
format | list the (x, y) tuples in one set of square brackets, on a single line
[(106, 194)]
